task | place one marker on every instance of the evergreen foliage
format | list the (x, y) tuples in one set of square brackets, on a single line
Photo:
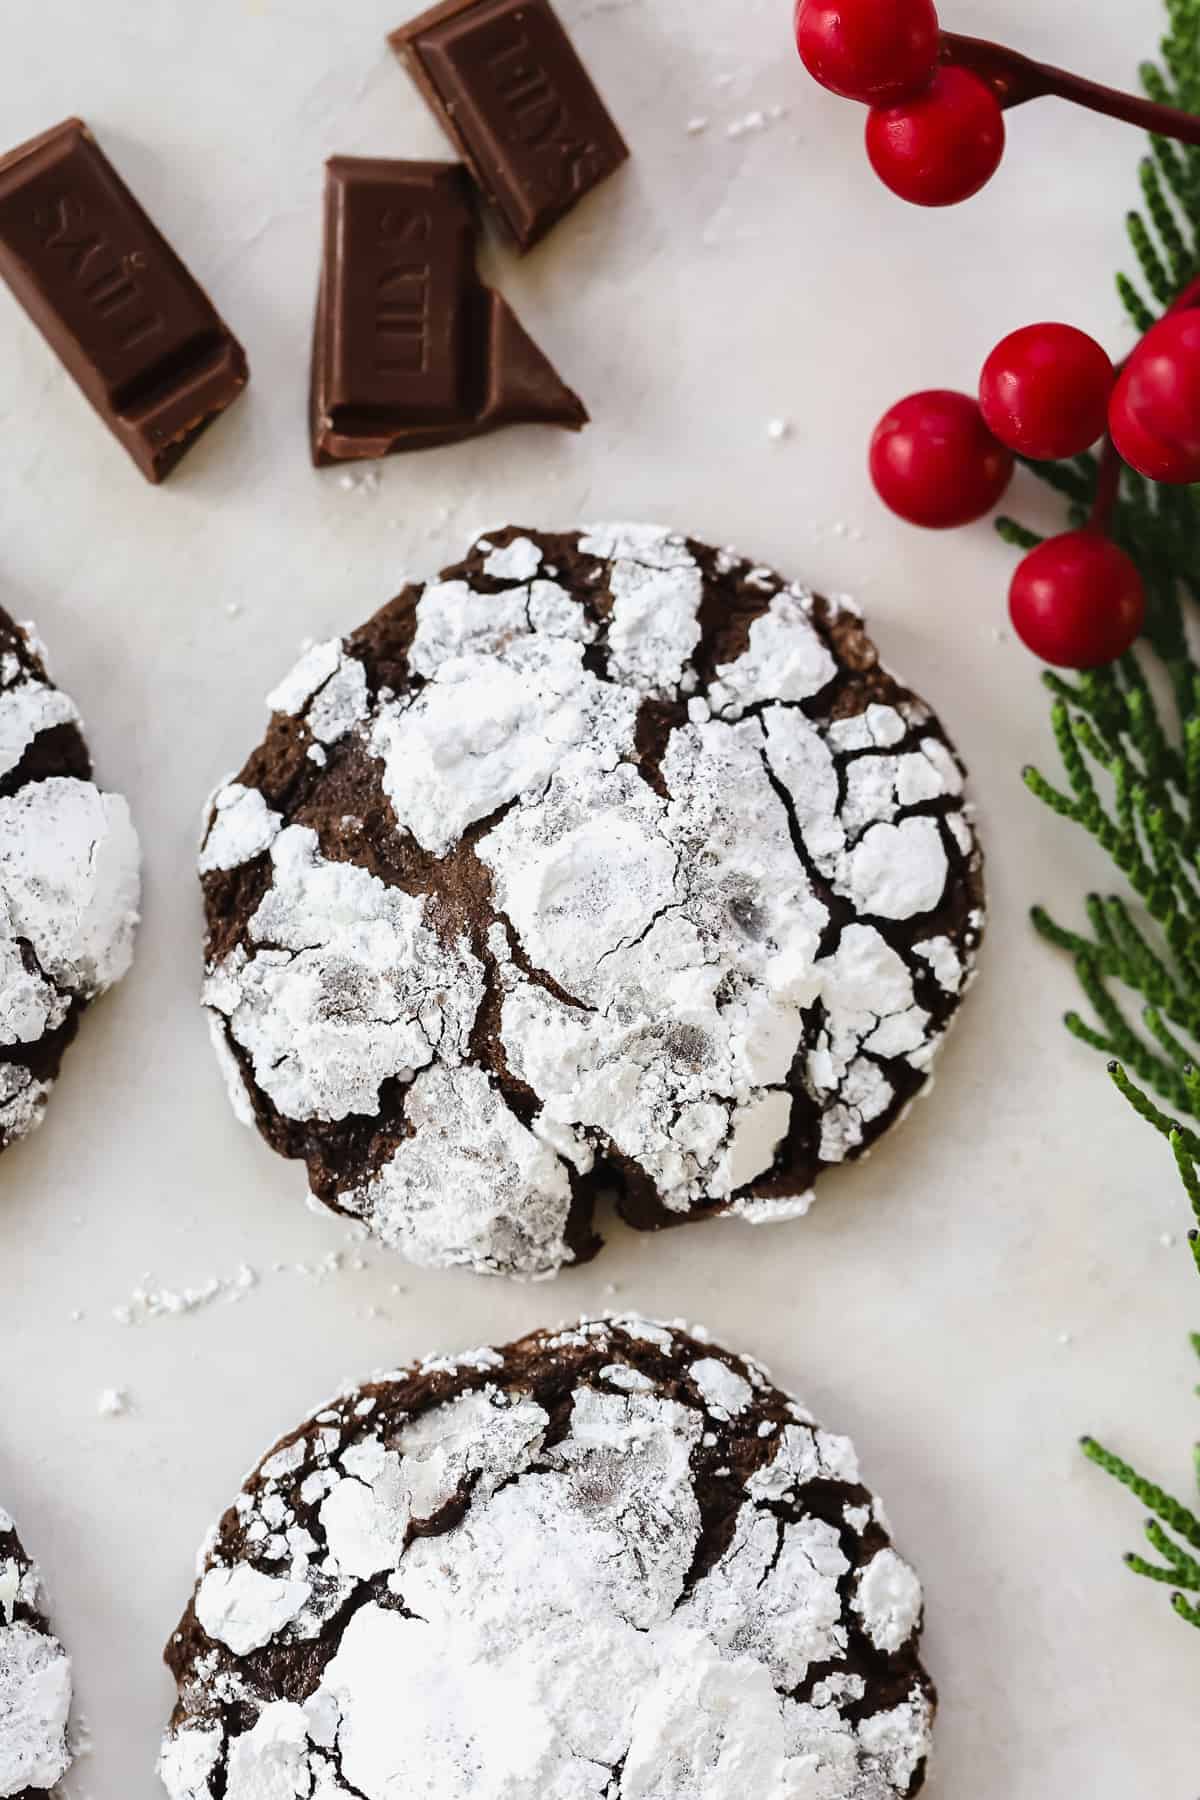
[(1129, 739), (1173, 1532), (1129, 734)]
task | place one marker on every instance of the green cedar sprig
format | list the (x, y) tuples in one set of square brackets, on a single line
[(1129, 735), (1129, 741), (1173, 1531)]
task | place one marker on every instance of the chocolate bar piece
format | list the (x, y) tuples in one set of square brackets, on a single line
[(411, 349), (508, 85), (128, 321)]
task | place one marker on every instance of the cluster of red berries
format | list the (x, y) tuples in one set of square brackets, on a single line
[(935, 135), (942, 459), (935, 131)]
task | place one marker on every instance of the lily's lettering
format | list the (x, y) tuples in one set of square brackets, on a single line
[(402, 294), (106, 279), (542, 120)]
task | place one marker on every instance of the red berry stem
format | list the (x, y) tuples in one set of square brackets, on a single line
[(1014, 79), (1108, 487)]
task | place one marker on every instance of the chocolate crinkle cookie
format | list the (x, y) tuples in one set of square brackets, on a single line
[(35, 1680), (69, 881), (610, 1561), (604, 861)]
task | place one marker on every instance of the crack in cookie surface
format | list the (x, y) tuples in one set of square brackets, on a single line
[(431, 1586), (69, 881), (690, 887)]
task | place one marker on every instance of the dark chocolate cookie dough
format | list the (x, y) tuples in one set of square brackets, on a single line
[(605, 860), (610, 1561), (35, 1680), (69, 881)]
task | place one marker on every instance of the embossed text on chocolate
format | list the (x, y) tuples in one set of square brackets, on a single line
[(106, 279), (508, 85), (124, 315), (528, 94), (402, 295)]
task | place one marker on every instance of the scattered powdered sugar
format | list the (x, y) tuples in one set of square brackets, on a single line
[(69, 886), (149, 1301), (754, 121), (685, 959), (35, 1679), (435, 1600)]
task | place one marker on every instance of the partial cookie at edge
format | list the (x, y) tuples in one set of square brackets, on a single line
[(69, 881), (35, 1680), (434, 1581)]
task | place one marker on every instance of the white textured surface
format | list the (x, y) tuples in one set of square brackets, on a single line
[(570, 1560), (35, 1683), (657, 955), (35, 1699), (70, 887), (719, 284)]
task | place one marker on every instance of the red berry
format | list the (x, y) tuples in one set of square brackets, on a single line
[(1159, 394), (934, 461), (1149, 455), (871, 50), (1045, 389), (1077, 601), (941, 147)]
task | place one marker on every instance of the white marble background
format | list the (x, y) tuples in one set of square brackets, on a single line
[(993, 1280)]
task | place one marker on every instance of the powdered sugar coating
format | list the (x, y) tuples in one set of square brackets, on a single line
[(69, 876), (242, 827), (35, 1678), (485, 1542), (489, 727), (888, 1599), (346, 986), (472, 1185), (28, 707), (682, 870), (69, 881)]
